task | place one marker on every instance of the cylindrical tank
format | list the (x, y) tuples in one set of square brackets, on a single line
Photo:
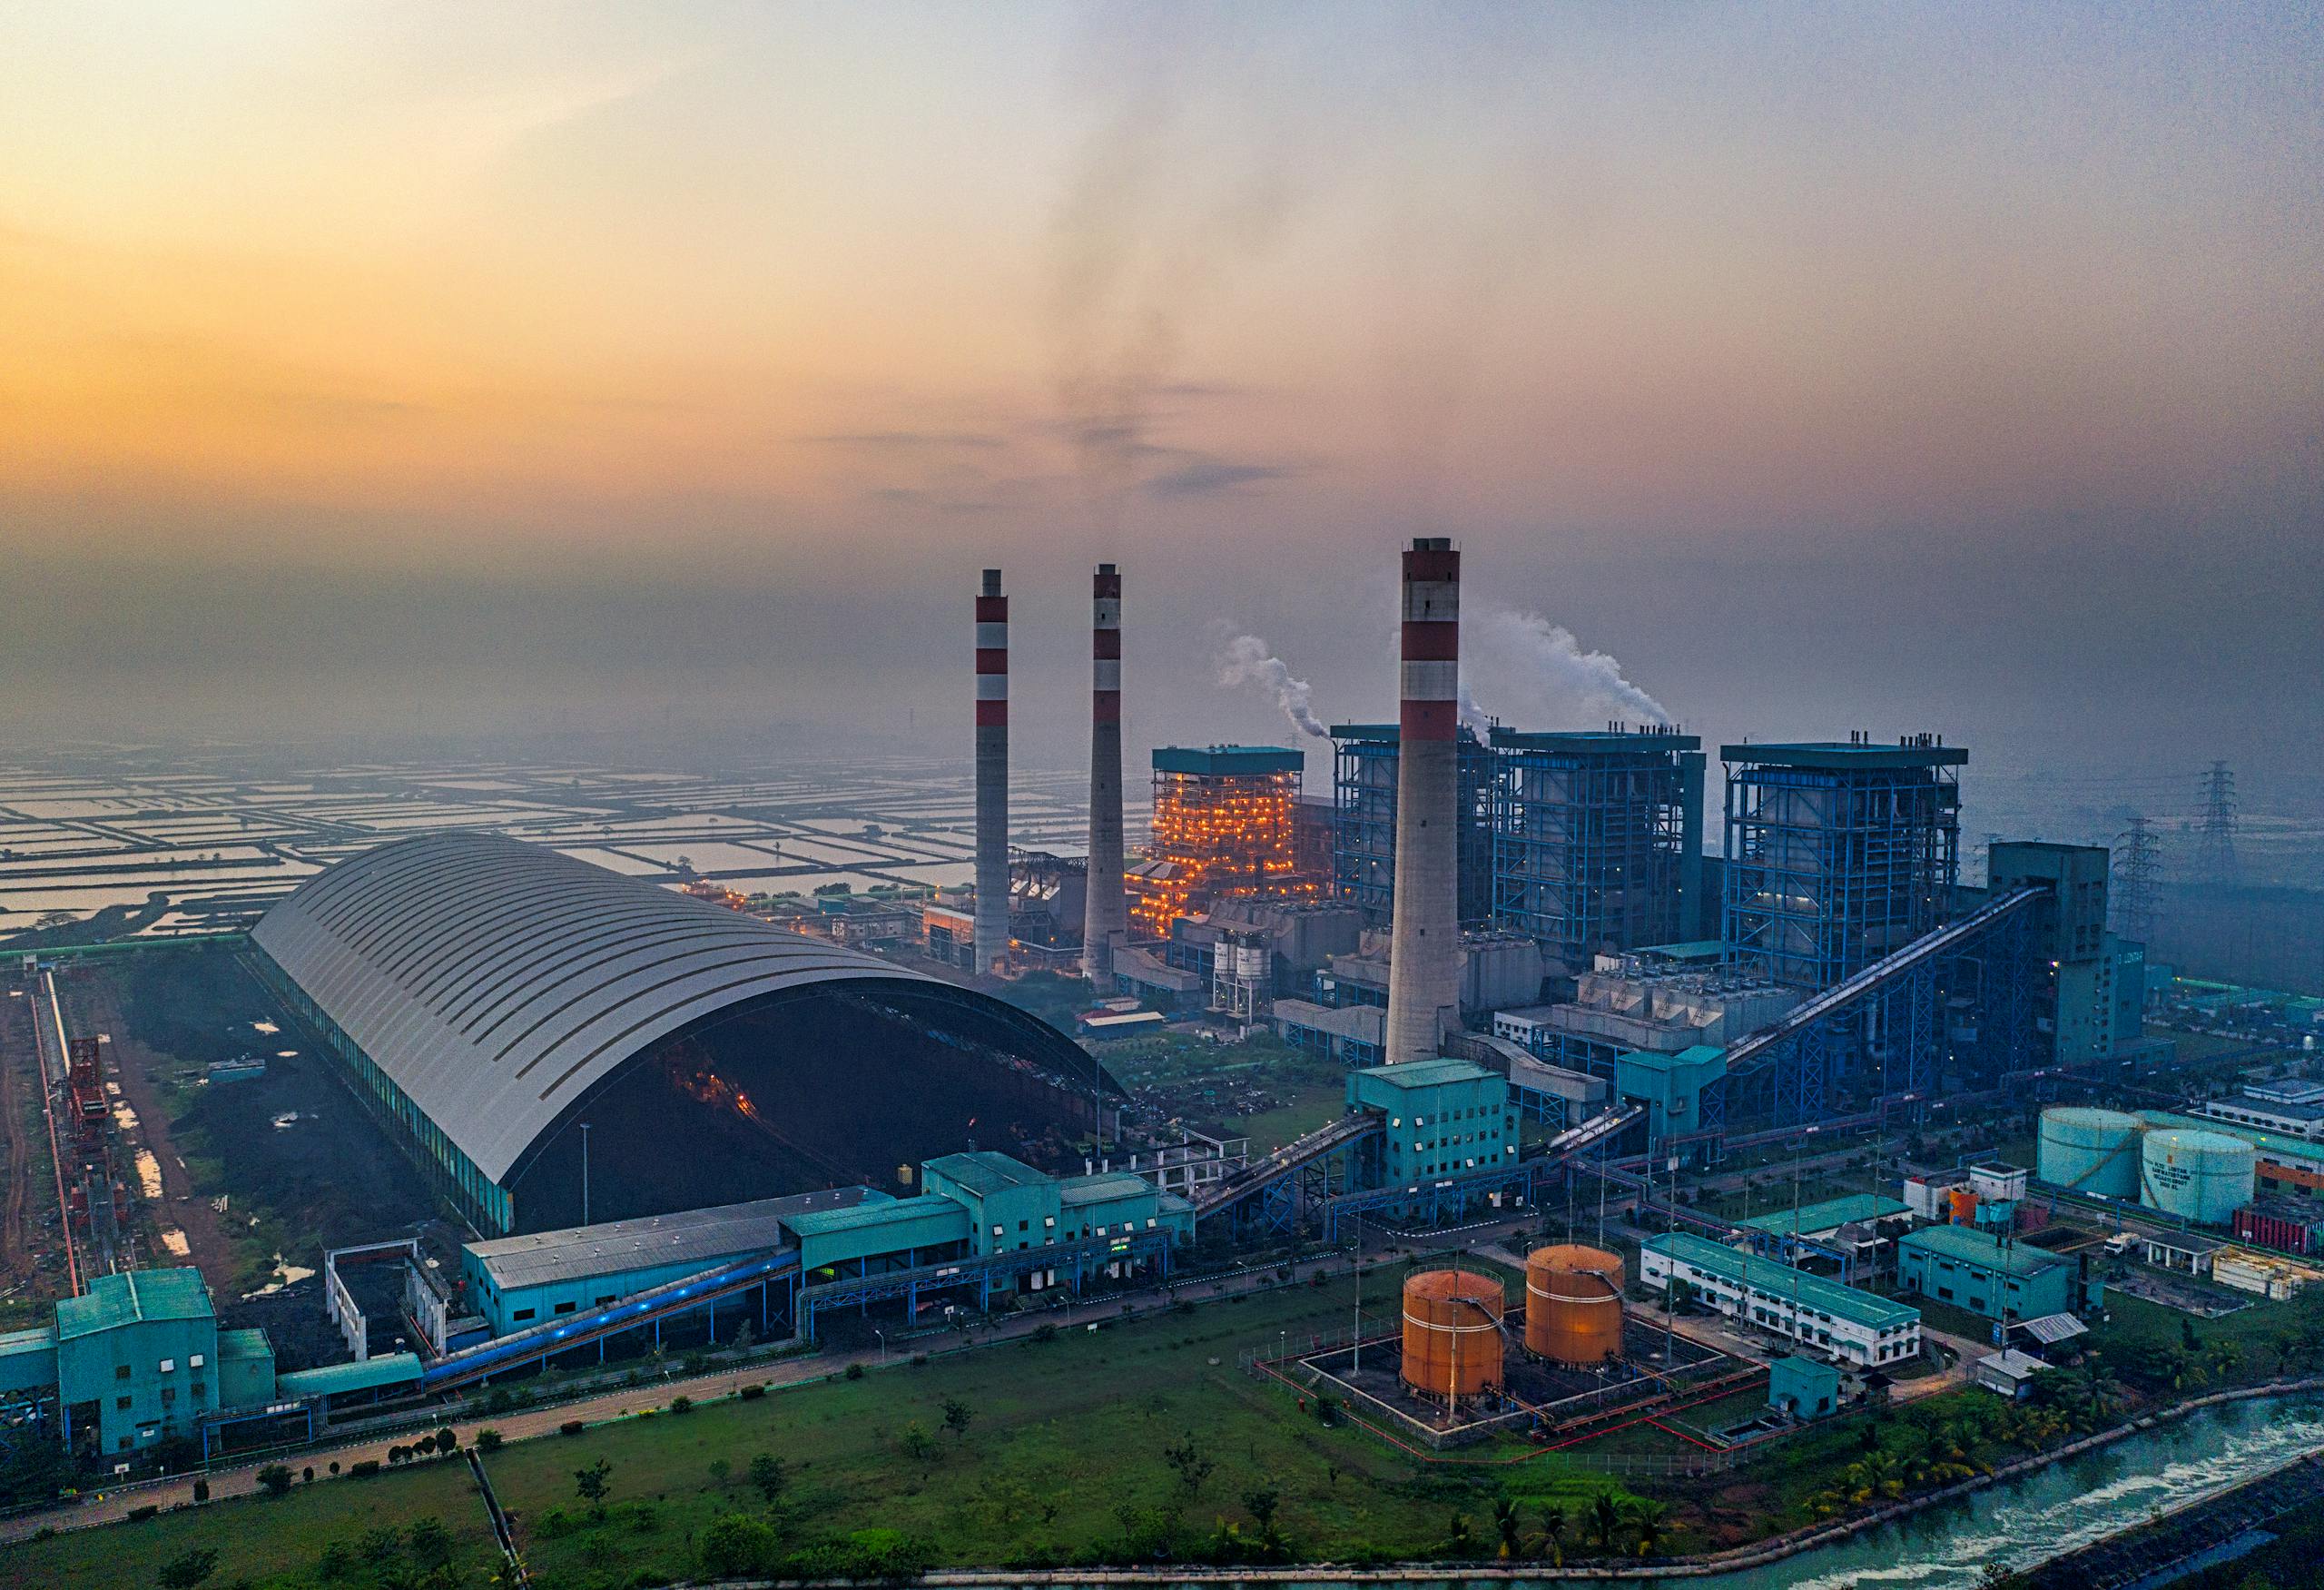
[(2089, 1150), (1964, 1204), (1452, 1332), (1574, 1305), (2199, 1176)]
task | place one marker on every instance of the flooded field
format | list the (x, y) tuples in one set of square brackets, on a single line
[(169, 853)]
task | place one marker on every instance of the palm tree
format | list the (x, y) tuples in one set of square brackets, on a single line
[(1553, 1522), (1605, 1517), (1646, 1517), (1504, 1520)]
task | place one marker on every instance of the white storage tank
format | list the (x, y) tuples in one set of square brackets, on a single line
[(2089, 1150), (2199, 1176)]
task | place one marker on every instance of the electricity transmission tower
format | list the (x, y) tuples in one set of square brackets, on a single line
[(2215, 832), (2138, 866)]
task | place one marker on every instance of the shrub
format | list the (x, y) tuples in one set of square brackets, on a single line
[(553, 1525), (855, 1371), (201, 1491), (918, 1360), (274, 1479), (571, 1427), (753, 1392), (334, 1465), (736, 1546), (682, 1405), (488, 1440), (185, 1571), (1045, 1331), (306, 1475), (364, 1468), (148, 1511)]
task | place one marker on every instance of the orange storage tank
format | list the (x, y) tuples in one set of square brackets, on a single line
[(1452, 1332), (1965, 1207), (1574, 1305)]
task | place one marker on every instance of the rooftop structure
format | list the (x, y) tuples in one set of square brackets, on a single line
[(1598, 840), (1816, 1219), (1836, 855), (696, 1239), (491, 998)]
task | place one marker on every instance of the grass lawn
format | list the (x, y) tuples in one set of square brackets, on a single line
[(1063, 1457), (1212, 1086), (2134, 1322), (266, 1542)]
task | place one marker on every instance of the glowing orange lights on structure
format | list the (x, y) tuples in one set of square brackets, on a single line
[(1219, 835)]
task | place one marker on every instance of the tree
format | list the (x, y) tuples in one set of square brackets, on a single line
[(275, 1479), (1647, 1518), (200, 1492), (593, 1484), (736, 1545), (381, 1546), (1459, 1541), (1505, 1522), (189, 1568), (917, 1443), (447, 1440), (1605, 1518), (1261, 1503), (1553, 1522), (957, 1415), (770, 1474), (1186, 1460)]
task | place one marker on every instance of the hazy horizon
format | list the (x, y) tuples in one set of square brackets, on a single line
[(398, 370)]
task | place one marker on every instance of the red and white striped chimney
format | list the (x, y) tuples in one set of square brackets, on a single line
[(1424, 935), (1106, 918), (992, 774)]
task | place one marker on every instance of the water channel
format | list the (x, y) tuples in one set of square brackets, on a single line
[(2056, 1508)]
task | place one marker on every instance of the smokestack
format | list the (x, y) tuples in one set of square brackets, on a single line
[(1106, 919), (992, 774), (1424, 935)]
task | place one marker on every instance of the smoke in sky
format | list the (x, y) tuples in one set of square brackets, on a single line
[(1248, 660), (1540, 674)]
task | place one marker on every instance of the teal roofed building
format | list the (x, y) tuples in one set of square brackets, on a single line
[(1443, 1118)]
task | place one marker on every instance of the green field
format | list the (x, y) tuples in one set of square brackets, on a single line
[(1063, 1459), (1210, 1086)]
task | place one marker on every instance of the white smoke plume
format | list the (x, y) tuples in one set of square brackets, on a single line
[(1248, 660), (1554, 683)]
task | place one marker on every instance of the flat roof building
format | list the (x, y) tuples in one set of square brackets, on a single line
[(1992, 1276), (1836, 1321)]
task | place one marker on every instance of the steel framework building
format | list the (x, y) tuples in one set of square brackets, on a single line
[(1836, 855), (1597, 840), (1363, 823), (1224, 827)]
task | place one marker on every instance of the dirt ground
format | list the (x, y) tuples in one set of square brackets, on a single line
[(327, 1178), (32, 1262)]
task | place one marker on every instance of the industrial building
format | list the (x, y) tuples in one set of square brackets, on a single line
[(1222, 828), (985, 1226), (493, 1000), (1835, 1320), (1837, 854), (1990, 1275), (1598, 841), (1444, 1118), (1662, 999), (1363, 829)]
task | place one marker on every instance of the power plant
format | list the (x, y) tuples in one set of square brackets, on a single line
[(1523, 961)]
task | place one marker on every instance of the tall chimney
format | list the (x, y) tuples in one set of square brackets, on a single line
[(1424, 935), (992, 774), (1106, 921)]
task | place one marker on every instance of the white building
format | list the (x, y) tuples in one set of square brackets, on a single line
[(1834, 1320)]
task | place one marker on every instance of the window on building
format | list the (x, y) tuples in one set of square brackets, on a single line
[(122, 1402), (565, 1308), (194, 1361), (522, 1314), (169, 1395), (168, 1365), (121, 1371)]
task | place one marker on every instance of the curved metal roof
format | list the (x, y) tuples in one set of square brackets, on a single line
[(496, 981)]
